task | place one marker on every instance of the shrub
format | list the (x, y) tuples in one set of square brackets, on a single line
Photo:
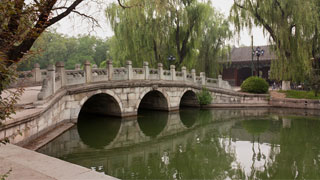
[(204, 96), (255, 84)]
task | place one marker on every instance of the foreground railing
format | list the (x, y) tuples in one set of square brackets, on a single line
[(56, 77)]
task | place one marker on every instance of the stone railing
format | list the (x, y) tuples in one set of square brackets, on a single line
[(57, 77), (30, 78)]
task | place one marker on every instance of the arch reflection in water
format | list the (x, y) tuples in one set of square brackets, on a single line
[(97, 131), (188, 117), (152, 123)]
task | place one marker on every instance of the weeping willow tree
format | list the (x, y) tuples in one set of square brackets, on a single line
[(212, 47), (152, 30), (291, 26)]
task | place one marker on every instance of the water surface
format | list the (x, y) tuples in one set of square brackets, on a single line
[(195, 144)]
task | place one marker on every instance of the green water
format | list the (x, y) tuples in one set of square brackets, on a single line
[(196, 144)]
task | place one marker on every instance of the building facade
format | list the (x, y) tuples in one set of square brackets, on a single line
[(241, 65)]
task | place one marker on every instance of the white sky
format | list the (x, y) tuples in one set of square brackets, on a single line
[(74, 26)]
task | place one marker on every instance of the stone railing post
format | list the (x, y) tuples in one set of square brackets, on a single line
[(146, 70), (160, 71), (87, 71), (173, 72), (51, 79), (220, 81), (110, 69), (37, 73), (60, 69), (184, 73), (193, 74), (285, 85), (129, 70), (203, 78), (77, 67)]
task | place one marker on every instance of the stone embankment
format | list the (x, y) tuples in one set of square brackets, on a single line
[(279, 100)]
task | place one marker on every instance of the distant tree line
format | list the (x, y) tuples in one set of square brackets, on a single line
[(52, 47)]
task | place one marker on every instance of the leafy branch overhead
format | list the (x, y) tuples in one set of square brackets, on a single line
[(153, 30), (293, 29)]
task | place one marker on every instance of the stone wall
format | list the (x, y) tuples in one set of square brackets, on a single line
[(295, 103)]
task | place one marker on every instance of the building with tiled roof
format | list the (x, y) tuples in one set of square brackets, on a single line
[(240, 65)]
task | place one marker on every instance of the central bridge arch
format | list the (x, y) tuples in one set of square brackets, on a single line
[(153, 100), (102, 104)]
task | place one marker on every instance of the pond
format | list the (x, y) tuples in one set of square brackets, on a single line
[(195, 144)]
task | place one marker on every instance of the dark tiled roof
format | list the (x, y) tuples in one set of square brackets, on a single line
[(244, 54)]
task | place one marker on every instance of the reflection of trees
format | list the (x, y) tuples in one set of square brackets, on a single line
[(256, 127), (188, 116), (205, 116), (201, 157), (204, 158), (299, 156)]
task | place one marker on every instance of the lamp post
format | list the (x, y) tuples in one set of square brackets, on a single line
[(252, 54), (171, 59), (258, 52)]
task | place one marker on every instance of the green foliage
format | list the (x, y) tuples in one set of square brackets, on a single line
[(204, 96), (156, 29), (6, 175), (313, 80), (8, 97), (300, 94), (293, 28), (255, 84), (212, 47), (52, 47), (256, 126)]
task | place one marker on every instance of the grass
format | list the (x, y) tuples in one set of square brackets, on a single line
[(300, 94)]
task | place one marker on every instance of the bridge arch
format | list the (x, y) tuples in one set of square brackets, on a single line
[(153, 99), (102, 103), (188, 98)]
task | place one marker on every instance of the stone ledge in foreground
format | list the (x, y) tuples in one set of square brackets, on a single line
[(26, 164)]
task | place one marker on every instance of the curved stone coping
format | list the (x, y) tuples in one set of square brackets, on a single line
[(26, 164)]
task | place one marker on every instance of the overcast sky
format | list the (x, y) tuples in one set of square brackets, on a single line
[(73, 26)]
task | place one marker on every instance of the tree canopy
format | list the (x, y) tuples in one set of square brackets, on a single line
[(154, 30), (52, 47), (292, 26)]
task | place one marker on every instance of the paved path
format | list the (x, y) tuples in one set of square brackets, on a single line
[(30, 165), (28, 97)]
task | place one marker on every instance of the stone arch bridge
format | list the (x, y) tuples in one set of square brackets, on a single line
[(117, 92)]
